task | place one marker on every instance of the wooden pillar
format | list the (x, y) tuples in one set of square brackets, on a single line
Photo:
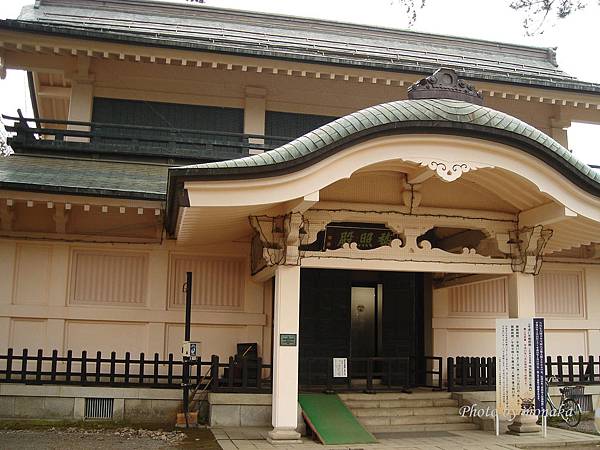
[(254, 115), (521, 295), (285, 357)]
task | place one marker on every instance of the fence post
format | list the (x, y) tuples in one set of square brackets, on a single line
[(156, 369), (590, 368), (450, 373), (476, 367), (141, 372), (170, 370), (464, 361), (98, 366), (83, 367), (198, 364), (9, 360), (214, 372), (259, 373), (559, 368), (127, 362), (38, 365), (230, 374), (24, 365), (244, 372), (580, 367), (53, 365), (69, 365), (570, 367), (113, 364)]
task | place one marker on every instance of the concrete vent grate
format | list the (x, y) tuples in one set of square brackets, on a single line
[(99, 408)]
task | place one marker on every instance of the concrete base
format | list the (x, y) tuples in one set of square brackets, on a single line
[(283, 436), (53, 402), (244, 410), (524, 424), (239, 410)]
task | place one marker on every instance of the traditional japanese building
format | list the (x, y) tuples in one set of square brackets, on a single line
[(336, 190)]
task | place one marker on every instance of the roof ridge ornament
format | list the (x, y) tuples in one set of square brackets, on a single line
[(444, 83)]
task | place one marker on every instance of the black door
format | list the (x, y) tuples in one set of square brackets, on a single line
[(328, 329), (324, 322)]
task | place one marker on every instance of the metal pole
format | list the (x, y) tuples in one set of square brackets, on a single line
[(186, 359)]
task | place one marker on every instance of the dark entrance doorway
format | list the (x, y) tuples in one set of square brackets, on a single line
[(359, 315)]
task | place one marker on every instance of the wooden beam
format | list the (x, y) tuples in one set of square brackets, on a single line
[(419, 175), (545, 215), (301, 204), (38, 62), (463, 239)]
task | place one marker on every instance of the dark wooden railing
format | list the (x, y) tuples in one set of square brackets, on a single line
[(466, 373), (569, 371), (471, 373), (94, 138), (95, 369), (372, 374)]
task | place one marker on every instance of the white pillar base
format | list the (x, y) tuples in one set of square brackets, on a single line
[(524, 424), (283, 436)]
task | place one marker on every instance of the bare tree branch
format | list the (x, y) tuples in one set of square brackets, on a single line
[(410, 7), (537, 12)]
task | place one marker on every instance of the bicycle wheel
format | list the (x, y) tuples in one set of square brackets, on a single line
[(570, 412)]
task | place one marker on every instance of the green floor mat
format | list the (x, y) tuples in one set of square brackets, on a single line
[(332, 421)]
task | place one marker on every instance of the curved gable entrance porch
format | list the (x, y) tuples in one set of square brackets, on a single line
[(463, 189)]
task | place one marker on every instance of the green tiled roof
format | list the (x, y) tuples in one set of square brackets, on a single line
[(84, 177), (393, 115)]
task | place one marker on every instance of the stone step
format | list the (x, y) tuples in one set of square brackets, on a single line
[(413, 420), (395, 396), (417, 403), (400, 412), (421, 427), (384, 419)]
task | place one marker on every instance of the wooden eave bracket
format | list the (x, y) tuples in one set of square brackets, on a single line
[(547, 214)]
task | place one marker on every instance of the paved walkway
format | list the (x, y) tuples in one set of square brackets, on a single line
[(255, 438)]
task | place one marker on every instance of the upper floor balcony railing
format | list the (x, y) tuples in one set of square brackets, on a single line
[(118, 141)]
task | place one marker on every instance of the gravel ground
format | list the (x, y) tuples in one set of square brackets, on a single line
[(73, 438), (585, 426)]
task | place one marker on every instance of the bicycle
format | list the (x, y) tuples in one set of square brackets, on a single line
[(568, 409)]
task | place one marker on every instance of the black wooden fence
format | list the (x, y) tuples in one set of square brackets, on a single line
[(472, 373), (372, 374), (252, 375), (245, 375)]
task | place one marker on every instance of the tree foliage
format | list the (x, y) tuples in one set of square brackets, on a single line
[(536, 12), (5, 149)]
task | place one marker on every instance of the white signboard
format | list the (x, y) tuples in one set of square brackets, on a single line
[(340, 367), (520, 371), (190, 349)]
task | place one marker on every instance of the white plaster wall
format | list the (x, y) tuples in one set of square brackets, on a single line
[(36, 309), (473, 333)]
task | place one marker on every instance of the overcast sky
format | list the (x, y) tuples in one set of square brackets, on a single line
[(575, 38)]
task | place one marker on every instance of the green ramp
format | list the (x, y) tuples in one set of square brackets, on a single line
[(332, 421)]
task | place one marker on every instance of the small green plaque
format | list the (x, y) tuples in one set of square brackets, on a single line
[(287, 340)]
